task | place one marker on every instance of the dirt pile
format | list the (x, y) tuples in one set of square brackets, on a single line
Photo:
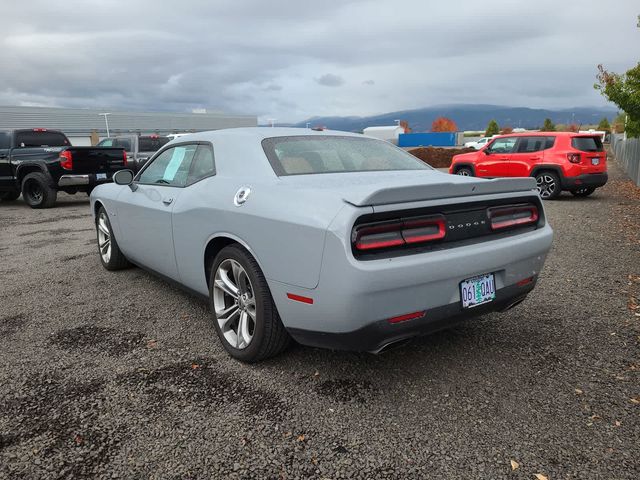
[(438, 157)]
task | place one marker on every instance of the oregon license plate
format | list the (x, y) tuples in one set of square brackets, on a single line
[(595, 161), (101, 176), (477, 290)]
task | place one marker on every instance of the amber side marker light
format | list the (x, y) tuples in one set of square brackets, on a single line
[(408, 316)]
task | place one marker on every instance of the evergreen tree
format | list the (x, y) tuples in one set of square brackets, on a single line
[(492, 129), (548, 126)]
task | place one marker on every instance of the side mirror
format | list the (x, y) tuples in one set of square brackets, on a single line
[(123, 177)]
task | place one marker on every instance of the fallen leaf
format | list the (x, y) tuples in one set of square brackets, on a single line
[(579, 392), (301, 438), (78, 439), (635, 400), (195, 366), (152, 344), (514, 465), (316, 373), (618, 423), (540, 476)]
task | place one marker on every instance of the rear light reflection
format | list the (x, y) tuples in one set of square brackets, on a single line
[(408, 316), (124, 158), (511, 216), (524, 282), (394, 234)]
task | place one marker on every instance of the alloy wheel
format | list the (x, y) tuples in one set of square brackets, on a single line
[(104, 238), (463, 172), (234, 304), (546, 185), (34, 191)]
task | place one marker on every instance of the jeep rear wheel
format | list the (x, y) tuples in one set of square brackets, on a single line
[(465, 172), (548, 184), (37, 192)]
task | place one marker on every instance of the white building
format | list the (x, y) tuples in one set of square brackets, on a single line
[(390, 134), (80, 124)]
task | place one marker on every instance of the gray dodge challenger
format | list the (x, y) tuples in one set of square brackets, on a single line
[(332, 239)]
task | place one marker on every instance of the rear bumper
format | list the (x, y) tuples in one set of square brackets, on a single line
[(82, 180), (376, 336), (586, 180)]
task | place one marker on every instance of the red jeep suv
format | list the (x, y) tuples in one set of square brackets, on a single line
[(557, 160)]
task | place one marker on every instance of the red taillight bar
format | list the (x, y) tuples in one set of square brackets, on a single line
[(66, 160), (394, 234), (513, 215), (124, 158)]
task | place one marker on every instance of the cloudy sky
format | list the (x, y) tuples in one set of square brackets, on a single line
[(291, 60)]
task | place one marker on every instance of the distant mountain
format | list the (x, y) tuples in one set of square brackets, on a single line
[(467, 117)]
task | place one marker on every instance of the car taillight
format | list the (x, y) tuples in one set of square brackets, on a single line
[(512, 216), (124, 158), (66, 160), (397, 233), (573, 157)]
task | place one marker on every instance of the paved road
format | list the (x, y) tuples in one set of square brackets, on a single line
[(119, 375)]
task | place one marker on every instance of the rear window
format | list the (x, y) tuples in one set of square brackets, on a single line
[(151, 144), (122, 143), (40, 138), (299, 155), (587, 144)]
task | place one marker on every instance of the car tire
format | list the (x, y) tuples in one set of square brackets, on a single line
[(583, 191), (37, 191), (548, 184), (245, 317), (111, 256), (9, 196), (465, 172)]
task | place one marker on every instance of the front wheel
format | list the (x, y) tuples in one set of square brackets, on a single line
[(548, 184), (465, 172), (583, 191), (246, 319), (110, 255)]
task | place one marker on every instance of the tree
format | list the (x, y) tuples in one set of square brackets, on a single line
[(548, 126), (404, 124), (604, 125), (618, 123), (506, 130), (492, 129), (624, 91), (444, 124)]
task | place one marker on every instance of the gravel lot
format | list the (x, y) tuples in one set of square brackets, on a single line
[(120, 375)]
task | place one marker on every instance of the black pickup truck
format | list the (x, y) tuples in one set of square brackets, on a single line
[(39, 162)]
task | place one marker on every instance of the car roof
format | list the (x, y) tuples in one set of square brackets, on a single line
[(260, 133), (546, 134)]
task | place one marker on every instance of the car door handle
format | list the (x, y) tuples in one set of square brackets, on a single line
[(534, 158), (167, 201)]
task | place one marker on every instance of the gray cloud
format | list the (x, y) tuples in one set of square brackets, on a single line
[(265, 58), (330, 80)]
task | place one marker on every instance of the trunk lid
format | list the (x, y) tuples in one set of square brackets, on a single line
[(385, 188)]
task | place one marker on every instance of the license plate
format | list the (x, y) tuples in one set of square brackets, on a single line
[(595, 161), (477, 290), (101, 176)]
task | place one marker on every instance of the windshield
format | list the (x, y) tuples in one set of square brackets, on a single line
[(299, 155)]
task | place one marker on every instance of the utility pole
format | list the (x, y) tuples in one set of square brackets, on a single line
[(106, 121)]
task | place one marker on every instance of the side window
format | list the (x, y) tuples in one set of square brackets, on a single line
[(203, 164), (107, 142), (531, 144), (171, 167), (550, 141), (5, 140), (122, 143), (503, 145)]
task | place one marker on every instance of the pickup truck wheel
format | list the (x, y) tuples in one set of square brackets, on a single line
[(548, 184), (9, 196), (37, 192), (583, 191), (110, 255), (246, 319)]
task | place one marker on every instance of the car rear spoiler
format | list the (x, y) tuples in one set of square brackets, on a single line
[(431, 191)]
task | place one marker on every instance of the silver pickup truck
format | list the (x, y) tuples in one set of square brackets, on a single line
[(139, 148)]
